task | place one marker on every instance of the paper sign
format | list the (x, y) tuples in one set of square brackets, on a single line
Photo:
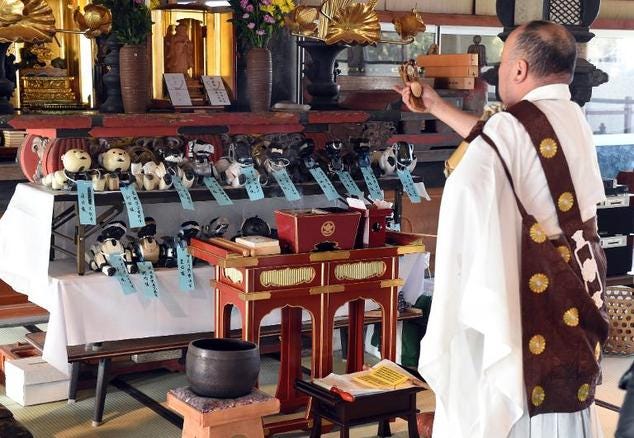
[(133, 205), (325, 183), (284, 181), (177, 89), (254, 189), (408, 185), (422, 191), (348, 183), (150, 284), (122, 276), (216, 91), (217, 191), (185, 267), (86, 203), (183, 194), (373, 185)]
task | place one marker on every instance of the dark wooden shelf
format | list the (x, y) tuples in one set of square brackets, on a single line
[(203, 194)]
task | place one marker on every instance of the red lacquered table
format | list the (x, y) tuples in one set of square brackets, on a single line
[(319, 282)]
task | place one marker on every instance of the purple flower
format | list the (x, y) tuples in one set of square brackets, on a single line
[(139, 2), (251, 26), (269, 19), (265, 2), (244, 3), (245, 16), (249, 8), (260, 32)]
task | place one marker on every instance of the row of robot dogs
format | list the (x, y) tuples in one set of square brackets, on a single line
[(153, 163), (145, 247)]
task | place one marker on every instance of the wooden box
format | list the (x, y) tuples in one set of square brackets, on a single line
[(371, 231), (317, 229)]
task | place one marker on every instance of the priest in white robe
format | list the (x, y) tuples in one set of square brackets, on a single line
[(471, 354)]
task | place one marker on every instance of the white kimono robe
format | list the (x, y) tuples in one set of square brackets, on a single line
[(472, 353)]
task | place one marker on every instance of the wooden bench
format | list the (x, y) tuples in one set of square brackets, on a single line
[(109, 350)]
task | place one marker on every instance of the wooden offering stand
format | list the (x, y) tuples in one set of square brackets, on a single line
[(319, 282)]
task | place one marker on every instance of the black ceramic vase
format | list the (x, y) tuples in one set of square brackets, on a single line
[(222, 368), (321, 73)]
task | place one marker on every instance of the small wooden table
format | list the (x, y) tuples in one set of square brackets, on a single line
[(372, 408), (222, 418)]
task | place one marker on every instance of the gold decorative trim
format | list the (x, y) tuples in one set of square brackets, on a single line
[(538, 395), (234, 275), (255, 296), (537, 233), (537, 344), (392, 283), (241, 262), (287, 277), (410, 249), (538, 283), (565, 201), (571, 317), (584, 392), (548, 148), (564, 251), (360, 270), (329, 256), (319, 290)]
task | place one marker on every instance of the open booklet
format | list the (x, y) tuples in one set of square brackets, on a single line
[(382, 377)]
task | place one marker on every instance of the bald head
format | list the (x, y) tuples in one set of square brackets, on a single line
[(548, 48)]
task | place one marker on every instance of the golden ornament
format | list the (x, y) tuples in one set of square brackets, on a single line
[(10, 12), (537, 233), (597, 351), (548, 148), (537, 344), (538, 396), (584, 391), (565, 201), (538, 283), (355, 24), (408, 26), (35, 23), (301, 21), (571, 317), (564, 252), (328, 228), (95, 21)]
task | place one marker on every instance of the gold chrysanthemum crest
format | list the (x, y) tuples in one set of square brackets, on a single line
[(538, 395), (548, 148), (571, 317), (565, 201), (538, 283), (537, 344), (537, 233)]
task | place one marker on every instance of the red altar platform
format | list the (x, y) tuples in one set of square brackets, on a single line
[(319, 282)]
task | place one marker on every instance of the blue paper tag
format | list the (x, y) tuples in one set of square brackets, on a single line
[(349, 184), (284, 181), (122, 276), (254, 189), (408, 185), (217, 191), (185, 268), (86, 203), (373, 184), (133, 205), (183, 194), (325, 183), (150, 284)]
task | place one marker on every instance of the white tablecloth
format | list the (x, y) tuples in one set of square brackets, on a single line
[(92, 308)]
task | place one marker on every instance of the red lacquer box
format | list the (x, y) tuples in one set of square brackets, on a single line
[(371, 233), (317, 229)]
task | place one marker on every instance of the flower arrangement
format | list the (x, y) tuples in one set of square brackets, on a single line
[(257, 20), (131, 20)]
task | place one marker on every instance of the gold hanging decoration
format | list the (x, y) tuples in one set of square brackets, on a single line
[(355, 24), (95, 21), (26, 21), (350, 22)]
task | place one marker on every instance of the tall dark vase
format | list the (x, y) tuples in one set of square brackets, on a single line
[(259, 79), (6, 86), (321, 73), (111, 80)]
